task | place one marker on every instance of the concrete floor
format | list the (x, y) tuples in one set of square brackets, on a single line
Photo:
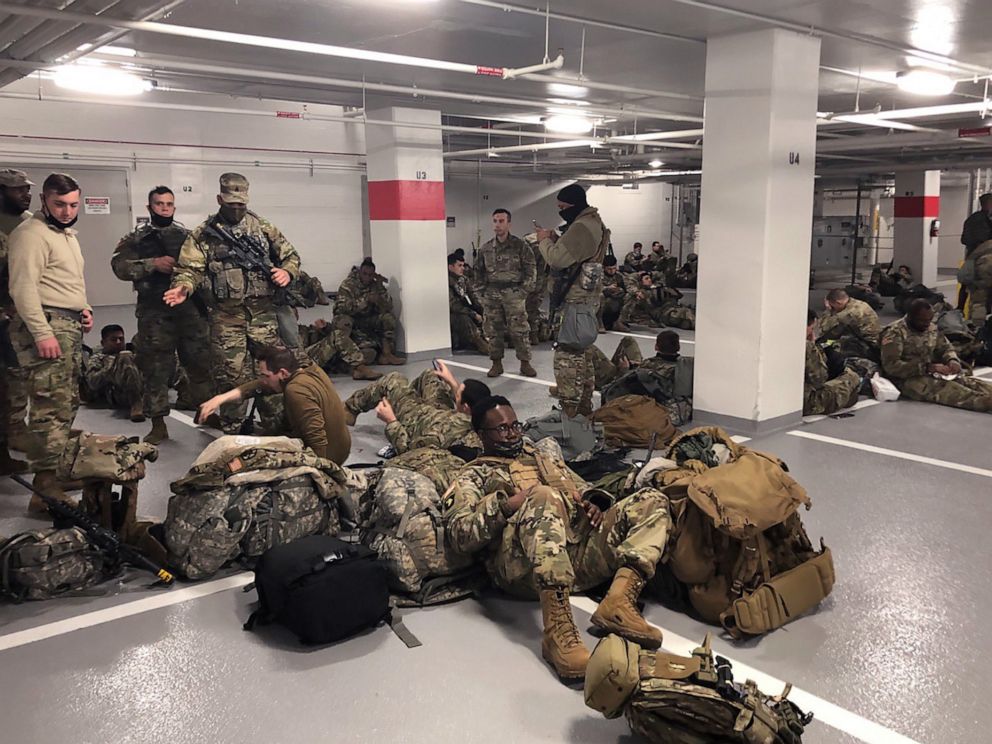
[(896, 654)]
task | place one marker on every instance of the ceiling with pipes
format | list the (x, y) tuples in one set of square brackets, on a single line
[(633, 70)]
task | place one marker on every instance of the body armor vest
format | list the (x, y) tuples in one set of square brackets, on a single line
[(231, 278), (153, 242)]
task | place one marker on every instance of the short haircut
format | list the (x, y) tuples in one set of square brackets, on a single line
[(918, 305), (108, 329), (484, 406), (656, 242), (60, 184), (610, 261), (904, 266), (644, 274), (984, 199), (836, 295), (160, 191), (638, 245), (667, 342), (367, 261), (500, 210), (475, 391), (277, 358), (454, 258), (810, 317), (460, 252)]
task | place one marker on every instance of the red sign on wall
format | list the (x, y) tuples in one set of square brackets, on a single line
[(978, 132)]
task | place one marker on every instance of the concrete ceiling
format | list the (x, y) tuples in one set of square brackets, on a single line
[(662, 50)]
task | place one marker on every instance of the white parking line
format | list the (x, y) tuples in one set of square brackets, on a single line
[(893, 453), (824, 711), (546, 383), (650, 338), (146, 604)]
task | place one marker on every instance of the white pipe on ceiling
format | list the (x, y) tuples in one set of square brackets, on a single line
[(524, 148)]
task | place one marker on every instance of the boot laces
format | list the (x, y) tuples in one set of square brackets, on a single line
[(564, 622)]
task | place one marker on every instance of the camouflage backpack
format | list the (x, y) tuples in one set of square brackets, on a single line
[(405, 528), (105, 457), (43, 564), (672, 699)]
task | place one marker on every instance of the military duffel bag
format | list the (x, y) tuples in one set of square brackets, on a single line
[(109, 457), (43, 564)]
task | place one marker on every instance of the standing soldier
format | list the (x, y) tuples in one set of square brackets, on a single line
[(247, 260), (8, 364), (577, 260), (147, 257), (506, 273), (15, 198), (363, 308), (49, 293)]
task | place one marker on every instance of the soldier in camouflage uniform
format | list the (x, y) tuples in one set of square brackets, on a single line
[(464, 310), (147, 257), (426, 413), (243, 313), (15, 198), (112, 375), (821, 395), (8, 362), (632, 261), (536, 297), (335, 352), (576, 258), (530, 518), (614, 294), (913, 351), (363, 316), (505, 275), (851, 322), (656, 305), (980, 292)]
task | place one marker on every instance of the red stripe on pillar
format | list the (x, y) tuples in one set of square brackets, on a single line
[(917, 206), (406, 200)]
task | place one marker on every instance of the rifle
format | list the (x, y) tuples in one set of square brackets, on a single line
[(248, 425), (251, 254), (107, 541)]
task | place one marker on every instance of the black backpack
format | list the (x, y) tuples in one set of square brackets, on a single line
[(321, 588)]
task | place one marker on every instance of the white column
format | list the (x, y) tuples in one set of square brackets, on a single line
[(407, 225), (916, 206), (755, 226)]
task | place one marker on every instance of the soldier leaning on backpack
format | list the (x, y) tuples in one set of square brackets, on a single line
[(531, 519)]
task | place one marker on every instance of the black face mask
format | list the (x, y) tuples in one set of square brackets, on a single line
[(59, 225), (507, 449), (571, 213), (158, 220)]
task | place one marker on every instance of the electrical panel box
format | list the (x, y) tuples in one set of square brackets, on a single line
[(834, 242)]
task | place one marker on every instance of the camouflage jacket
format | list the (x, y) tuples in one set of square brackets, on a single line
[(475, 510), (983, 266), (856, 319), (99, 371), (816, 366), (198, 257), (460, 297), (614, 287), (5, 300), (432, 427), (135, 252), (542, 273), (506, 265), (357, 300), (907, 353), (584, 243), (633, 260)]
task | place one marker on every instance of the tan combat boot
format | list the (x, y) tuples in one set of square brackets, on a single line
[(361, 372), (386, 356), (553, 391), (561, 644), (46, 482), (527, 369), (10, 466), (497, 369), (159, 431), (618, 612), (138, 411), (482, 346)]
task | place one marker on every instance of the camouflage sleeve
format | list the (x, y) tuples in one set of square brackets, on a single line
[(893, 363), (472, 518), (481, 278), (99, 369), (383, 300), (816, 366), (831, 326), (349, 301), (398, 436), (456, 304), (575, 246), (529, 268), (944, 350), (192, 264), (125, 263), (868, 326), (283, 253)]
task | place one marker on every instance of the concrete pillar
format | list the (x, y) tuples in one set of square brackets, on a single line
[(407, 225), (756, 226), (917, 204)]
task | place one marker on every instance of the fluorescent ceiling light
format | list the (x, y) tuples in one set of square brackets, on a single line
[(567, 124), (925, 83), (100, 80), (571, 91), (118, 51), (656, 163)]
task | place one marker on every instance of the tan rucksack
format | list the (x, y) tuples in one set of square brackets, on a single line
[(738, 547), (632, 420)]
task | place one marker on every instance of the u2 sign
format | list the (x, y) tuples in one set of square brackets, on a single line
[(793, 158)]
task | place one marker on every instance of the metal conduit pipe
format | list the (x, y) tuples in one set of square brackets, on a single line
[(611, 86)]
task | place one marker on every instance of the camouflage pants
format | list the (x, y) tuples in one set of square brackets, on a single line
[(840, 392), (125, 384), (162, 334), (236, 331), (978, 297), (533, 306), (336, 348), (427, 389), (575, 377), (506, 312), (642, 312), (965, 392), (53, 388), (677, 316), (465, 334), (354, 333), (610, 309), (607, 369), (549, 543)]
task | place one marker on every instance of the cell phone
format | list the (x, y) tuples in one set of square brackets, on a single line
[(437, 365)]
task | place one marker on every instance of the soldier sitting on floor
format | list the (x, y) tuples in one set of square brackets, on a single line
[(112, 376), (852, 323), (820, 393)]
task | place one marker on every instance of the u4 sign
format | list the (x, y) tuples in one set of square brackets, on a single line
[(793, 158)]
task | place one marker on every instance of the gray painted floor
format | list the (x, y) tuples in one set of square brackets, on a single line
[(900, 643)]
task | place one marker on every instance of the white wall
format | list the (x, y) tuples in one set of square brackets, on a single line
[(305, 174)]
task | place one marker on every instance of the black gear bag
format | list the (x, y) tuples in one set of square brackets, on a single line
[(321, 588)]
